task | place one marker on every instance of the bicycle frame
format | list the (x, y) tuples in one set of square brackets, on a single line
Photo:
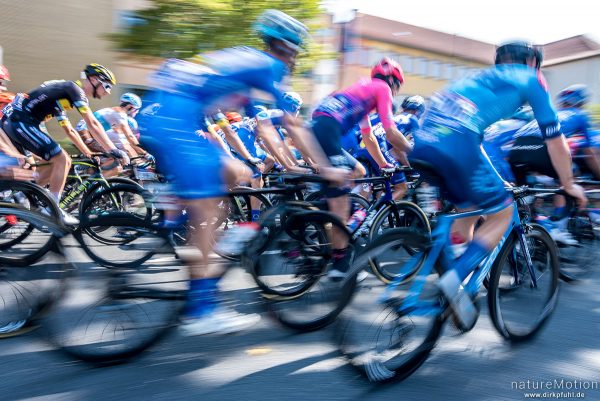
[(374, 207), (440, 250), (84, 185)]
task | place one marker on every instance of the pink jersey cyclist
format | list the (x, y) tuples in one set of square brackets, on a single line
[(341, 111), (353, 104)]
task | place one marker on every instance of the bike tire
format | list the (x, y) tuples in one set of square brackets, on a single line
[(401, 214), (361, 330), (506, 284)]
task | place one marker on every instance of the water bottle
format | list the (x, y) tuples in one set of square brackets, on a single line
[(235, 239), (356, 219), (427, 198)]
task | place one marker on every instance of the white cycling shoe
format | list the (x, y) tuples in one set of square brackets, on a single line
[(222, 321)]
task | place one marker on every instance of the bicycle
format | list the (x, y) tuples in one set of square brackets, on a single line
[(394, 340)]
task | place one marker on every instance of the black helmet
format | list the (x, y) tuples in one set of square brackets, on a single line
[(518, 53), (103, 73)]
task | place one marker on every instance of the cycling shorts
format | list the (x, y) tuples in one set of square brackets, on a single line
[(469, 179), (192, 165), (529, 154), (29, 135), (328, 133)]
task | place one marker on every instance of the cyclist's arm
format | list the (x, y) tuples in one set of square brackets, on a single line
[(132, 146), (592, 160), (216, 139), (371, 142), (383, 96), (97, 131), (560, 155), (232, 139), (276, 147), (68, 129)]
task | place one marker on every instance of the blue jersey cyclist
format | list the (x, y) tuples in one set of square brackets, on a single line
[(499, 137), (450, 141), (186, 93), (575, 125)]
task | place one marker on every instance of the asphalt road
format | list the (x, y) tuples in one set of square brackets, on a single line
[(269, 362)]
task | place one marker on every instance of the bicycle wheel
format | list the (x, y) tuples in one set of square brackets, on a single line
[(238, 210), (317, 300), (579, 261), (20, 242), (26, 292), (382, 339), (128, 241), (290, 254), (401, 214), (124, 199), (518, 308), (108, 316)]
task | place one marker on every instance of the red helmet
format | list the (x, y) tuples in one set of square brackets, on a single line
[(4, 75), (233, 117), (388, 68)]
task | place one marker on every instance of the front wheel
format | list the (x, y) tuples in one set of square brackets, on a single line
[(521, 297), (400, 214)]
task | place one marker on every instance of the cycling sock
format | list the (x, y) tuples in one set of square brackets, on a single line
[(338, 254), (469, 260), (202, 297), (55, 196), (255, 215)]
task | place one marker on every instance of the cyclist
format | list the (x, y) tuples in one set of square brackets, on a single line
[(116, 123), (450, 141), (5, 96), (24, 118), (196, 168), (335, 117), (408, 120)]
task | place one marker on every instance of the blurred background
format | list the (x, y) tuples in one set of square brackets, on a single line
[(42, 40)]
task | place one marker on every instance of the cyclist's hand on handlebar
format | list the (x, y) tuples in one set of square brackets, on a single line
[(298, 170), (149, 158), (121, 155), (578, 193)]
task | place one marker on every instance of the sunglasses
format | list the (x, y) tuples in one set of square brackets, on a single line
[(106, 85)]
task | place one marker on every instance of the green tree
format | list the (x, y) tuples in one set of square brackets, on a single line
[(183, 28)]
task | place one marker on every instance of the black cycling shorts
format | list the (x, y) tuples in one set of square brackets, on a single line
[(530, 155), (27, 135)]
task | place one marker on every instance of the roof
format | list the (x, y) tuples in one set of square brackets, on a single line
[(385, 30), (569, 47), (572, 57)]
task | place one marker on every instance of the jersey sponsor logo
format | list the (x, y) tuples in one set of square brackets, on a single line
[(34, 102), (526, 147)]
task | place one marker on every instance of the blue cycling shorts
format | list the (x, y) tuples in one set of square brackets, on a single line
[(191, 164), (469, 178)]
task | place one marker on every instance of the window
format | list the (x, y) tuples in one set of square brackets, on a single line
[(374, 56), (406, 62), (448, 71), (435, 69), (420, 66)]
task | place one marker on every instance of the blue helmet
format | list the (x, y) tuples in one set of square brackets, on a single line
[(293, 100), (519, 52), (416, 103), (132, 99), (575, 96), (277, 25)]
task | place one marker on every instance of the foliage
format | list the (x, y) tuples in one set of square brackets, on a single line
[(183, 28)]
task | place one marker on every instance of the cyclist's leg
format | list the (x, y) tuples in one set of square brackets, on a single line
[(328, 133)]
